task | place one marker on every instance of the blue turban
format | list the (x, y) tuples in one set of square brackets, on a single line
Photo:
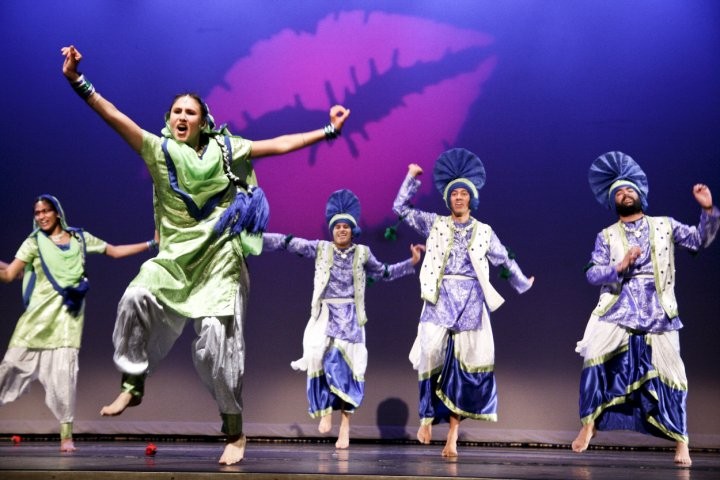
[(613, 170), (459, 168), (343, 206)]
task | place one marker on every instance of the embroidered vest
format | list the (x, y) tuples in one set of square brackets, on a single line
[(323, 263), (662, 255), (438, 246)]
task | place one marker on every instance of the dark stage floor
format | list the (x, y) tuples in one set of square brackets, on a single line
[(265, 460)]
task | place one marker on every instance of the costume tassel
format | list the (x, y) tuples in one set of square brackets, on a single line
[(250, 212)]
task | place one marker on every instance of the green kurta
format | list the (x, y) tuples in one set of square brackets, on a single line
[(46, 323), (196, 272)]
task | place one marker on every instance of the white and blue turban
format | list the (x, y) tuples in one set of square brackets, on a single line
[(613, 170), (343, 206), (459, 168)]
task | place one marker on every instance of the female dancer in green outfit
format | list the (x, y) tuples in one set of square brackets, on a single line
[(210, 215), (46, 340)]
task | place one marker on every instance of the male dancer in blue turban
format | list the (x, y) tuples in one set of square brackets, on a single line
[(454, 352), (633, 377)]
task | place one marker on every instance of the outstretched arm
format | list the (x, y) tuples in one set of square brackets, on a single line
[(9, 272), (119, 251), (298, 246), (119, 122), (296, 141)]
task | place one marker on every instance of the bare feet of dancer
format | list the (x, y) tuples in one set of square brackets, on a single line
[(450, 449), (234, 450), (119, 405), (343, 440), (682, 455), (325, 423), (67, 445), (424, 434), (582, 441)]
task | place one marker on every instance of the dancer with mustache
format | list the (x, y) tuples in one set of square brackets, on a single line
[(334, 352), (453, 352), (210, 214), (633, 377), (47, 337)]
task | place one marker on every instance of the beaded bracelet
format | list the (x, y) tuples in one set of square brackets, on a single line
[(330, 131), (151, 244), (83, 87)]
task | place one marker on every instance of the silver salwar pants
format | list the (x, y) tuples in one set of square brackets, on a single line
[(145, 332), (57, 371)]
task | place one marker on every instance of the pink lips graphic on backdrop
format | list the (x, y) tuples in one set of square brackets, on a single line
[(408, 81)]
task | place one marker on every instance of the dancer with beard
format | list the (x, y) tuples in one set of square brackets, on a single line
[(210, 215), (334, 352), (633, 377), (46, 340), (454, 351)]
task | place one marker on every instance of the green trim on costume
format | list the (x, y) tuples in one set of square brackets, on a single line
[(315, 374), (593, 362), (619, 400), (674, 385), (66, 430), (347, 360), (446, 255), (321, 413), (134, 385), (427, 375), (343, 396), (469, 369), (232, 424), (672, 435), (426, 421), (488, 417)]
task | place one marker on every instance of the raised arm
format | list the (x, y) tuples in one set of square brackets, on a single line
[(296, 141), (119, 122), (9, 272), (703, 196)]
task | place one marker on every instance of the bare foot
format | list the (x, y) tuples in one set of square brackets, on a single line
[(450, 449), (67, 445), (682, 455), (325, 423), (124, 400), (582, 441), (424, 434), (234, 451), (343, 440)]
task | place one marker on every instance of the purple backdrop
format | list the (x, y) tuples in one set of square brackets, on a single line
[(537, 89)]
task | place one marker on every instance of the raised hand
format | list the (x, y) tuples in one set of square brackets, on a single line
[(338, 115), (703, 196), (415, 170), (72, 59)]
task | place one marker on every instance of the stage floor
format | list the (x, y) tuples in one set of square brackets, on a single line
[(265, 460)]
